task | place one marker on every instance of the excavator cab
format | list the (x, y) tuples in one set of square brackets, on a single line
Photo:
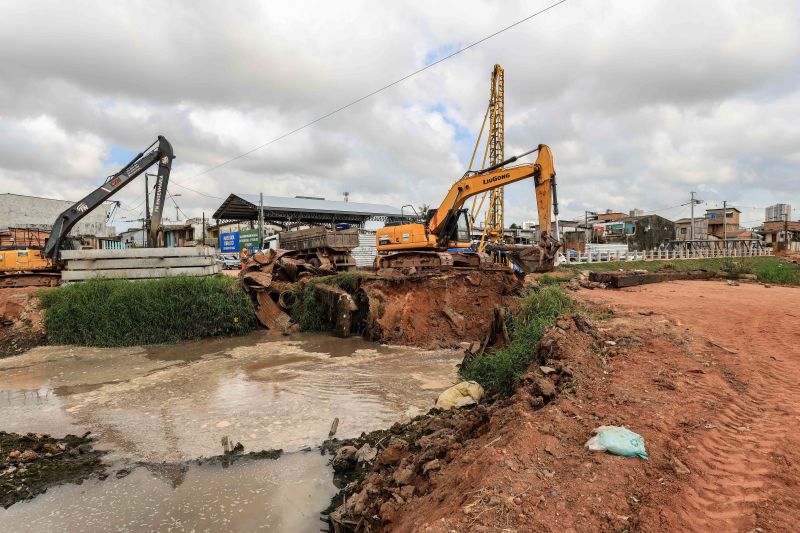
[(457, 231)]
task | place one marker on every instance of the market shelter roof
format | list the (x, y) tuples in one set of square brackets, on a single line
[(308, 210)]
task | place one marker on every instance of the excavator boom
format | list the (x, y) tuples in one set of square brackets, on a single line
[(499, 175), (159, 152)]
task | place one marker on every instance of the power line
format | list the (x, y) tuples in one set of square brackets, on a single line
[(177, 207), (173, 182), (373, 93)]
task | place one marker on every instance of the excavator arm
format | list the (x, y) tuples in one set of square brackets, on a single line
[(440, 242), (499, 175), (159, 152)]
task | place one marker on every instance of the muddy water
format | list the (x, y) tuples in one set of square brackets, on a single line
[(173, 403)]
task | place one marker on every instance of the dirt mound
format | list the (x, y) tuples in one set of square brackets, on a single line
[(416, 457), (436, 310), (717, 417), (21, 325)]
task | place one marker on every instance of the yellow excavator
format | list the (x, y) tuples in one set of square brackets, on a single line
[(443, 239)]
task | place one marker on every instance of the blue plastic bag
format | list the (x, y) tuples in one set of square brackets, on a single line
[(618, 440)]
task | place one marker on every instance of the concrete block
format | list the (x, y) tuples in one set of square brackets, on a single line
[(133, 253), (144, 262), (138, 273)]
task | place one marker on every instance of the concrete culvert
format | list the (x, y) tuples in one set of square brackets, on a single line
[(286, 299)]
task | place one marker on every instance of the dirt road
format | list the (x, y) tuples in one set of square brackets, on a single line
[(745, 471), (707, 373)]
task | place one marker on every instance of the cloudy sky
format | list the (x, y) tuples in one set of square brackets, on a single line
[(641, 101)]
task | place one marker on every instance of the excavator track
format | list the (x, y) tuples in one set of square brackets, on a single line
[(422, 260), (29, 279)]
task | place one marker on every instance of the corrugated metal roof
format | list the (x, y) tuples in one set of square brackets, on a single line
[(245, 207), (313, 204)]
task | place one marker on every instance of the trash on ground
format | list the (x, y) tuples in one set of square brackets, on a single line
[(618, 440), (460, 395)]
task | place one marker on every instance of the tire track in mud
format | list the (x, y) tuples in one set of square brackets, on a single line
[(733, 472), (744, 465)]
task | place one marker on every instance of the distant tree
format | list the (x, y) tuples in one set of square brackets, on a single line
[(513, 226), (422, 210)]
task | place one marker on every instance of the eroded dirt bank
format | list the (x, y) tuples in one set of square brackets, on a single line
[(438, 310), (21, 325), (707, 373)]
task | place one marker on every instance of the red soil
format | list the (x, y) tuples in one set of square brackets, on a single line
[(438, 310), (20, 320), (707, 373)]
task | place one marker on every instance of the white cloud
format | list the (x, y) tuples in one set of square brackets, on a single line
[(641, 102)]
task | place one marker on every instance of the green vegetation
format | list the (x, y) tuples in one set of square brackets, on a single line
[(778, 272), (767, 269), (500, 370), (735, 267), (126, 313), (308, 313)]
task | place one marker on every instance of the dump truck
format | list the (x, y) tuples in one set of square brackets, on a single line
[(323, 248)]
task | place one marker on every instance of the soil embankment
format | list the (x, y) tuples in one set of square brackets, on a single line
[(21, 325), (706, 372), (443, 309)]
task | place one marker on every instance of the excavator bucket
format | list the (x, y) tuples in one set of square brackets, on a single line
[(529, 259)]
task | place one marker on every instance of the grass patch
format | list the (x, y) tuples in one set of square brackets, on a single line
[(778, 272), (125, 313), (308, 313), (500, 370), (767, 269)]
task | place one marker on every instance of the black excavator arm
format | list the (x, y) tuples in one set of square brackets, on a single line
[(159, 152)]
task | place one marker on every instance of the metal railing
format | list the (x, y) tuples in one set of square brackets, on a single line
[(665, 255)]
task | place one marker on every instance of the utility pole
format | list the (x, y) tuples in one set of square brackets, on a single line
[(204, 228), (786, 231), (691, 228), (724, 226), (260, 220)]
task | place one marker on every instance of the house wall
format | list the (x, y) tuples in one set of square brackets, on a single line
[(21, 211), (650, 232)]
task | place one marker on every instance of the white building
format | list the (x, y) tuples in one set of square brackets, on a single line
[(21, 211), (133, 237), (778, 212)]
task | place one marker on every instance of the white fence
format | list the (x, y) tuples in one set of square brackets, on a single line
[(138, 263), (665, 255)]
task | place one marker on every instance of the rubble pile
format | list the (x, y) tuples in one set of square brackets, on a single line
[(271, 277), (425, 309), (386, 469)]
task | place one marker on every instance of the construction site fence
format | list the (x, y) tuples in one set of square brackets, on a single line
[(666, 255)]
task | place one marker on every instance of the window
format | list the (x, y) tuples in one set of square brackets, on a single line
[(684, 231), (463, 228)]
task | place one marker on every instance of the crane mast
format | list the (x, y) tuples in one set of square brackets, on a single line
[(494, 216)]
